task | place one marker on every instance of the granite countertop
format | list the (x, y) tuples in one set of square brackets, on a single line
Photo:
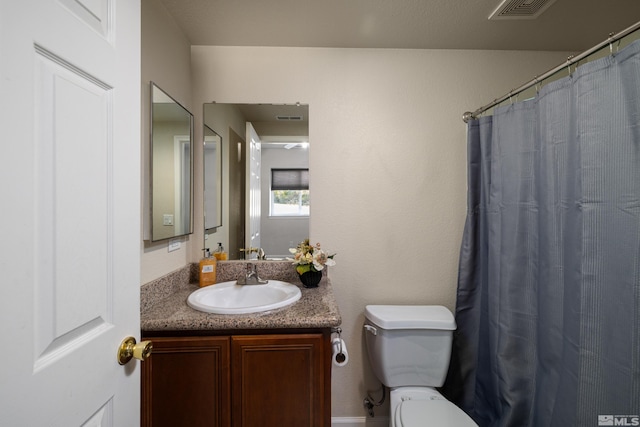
[(167, 309)]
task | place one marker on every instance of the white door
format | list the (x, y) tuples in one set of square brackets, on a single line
[(70, 197), (253, 210)]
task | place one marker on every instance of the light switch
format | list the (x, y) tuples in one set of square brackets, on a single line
[(167, 219)]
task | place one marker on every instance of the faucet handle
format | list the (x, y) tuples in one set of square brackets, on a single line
[(248, 251)]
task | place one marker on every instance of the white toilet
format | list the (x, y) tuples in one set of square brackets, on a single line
[(409, 348)]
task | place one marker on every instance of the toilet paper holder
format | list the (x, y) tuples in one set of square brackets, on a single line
[(340, 357)]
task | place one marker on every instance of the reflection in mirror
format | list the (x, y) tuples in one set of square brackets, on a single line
[(171, 167), (283, 139), (212, 179)]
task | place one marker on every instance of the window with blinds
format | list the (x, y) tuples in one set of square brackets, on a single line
[(289, 192)]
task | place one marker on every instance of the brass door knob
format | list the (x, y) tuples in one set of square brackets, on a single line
[(129, 350)]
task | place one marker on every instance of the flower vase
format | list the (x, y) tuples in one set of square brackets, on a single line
[(310, 279)]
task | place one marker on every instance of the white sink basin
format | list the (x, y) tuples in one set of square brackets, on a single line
[(229, 298)]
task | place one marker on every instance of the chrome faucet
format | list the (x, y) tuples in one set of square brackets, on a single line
[(251, 276)]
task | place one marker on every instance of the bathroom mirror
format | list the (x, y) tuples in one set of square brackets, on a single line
[(171, 167), (212, 179), (282, 140)]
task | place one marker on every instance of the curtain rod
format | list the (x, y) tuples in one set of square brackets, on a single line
[(538, 79)]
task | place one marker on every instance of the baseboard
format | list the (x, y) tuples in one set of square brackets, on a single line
[(359, 422)]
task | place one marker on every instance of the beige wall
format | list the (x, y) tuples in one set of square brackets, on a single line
[(165, 61), (387, 160), (163, 177), (230, 124)]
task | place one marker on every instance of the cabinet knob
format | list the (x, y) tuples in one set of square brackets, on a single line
[(130, 350)]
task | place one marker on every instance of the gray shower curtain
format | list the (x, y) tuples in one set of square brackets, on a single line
[(548, 302)]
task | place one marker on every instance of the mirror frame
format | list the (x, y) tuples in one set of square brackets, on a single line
[(217, 179), (154, 236)]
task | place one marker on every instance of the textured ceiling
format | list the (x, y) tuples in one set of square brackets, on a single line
[(568, 25)]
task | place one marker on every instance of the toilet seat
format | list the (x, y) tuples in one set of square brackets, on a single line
[(436, 412)]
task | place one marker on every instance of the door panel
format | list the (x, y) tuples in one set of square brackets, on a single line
[(186, 383), (94, 13), (71, 211), (68, 310), (279, 380)]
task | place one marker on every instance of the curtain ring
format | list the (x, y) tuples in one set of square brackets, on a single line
[(611, 43), (569, 58)]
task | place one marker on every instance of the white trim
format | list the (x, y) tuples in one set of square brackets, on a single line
[(180, 177), (359, 422)]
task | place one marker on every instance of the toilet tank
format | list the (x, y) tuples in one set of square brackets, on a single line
[(409, 345)]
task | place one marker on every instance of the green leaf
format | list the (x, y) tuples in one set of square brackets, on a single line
[(303, 268)]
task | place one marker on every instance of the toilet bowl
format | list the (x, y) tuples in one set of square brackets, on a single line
[(409, 348)]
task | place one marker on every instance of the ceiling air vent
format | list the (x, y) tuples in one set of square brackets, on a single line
[(289, 118), (520, 9)]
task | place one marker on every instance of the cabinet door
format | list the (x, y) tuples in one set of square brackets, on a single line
[(280, 381), (185, 382)]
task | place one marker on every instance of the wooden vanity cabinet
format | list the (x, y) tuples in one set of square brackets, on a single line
[(265, 380), (278, 380), (185, 382)]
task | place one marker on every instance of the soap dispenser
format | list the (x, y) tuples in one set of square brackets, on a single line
[(220, 254), (207, 269)]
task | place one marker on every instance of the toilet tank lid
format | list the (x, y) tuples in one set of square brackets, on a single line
[(410, 317)]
